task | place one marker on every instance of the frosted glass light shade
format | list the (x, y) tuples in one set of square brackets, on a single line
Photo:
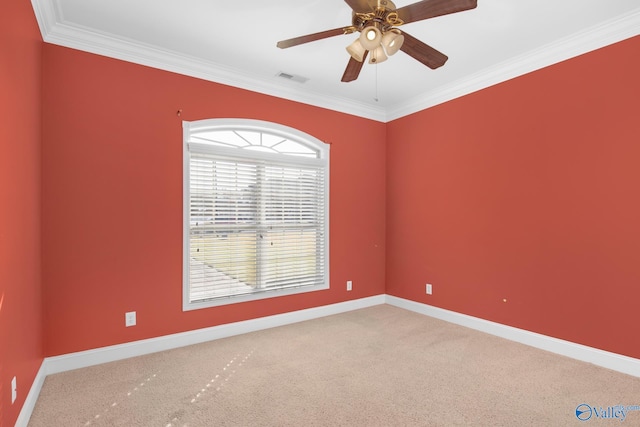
[(356, 50), (370, 38), (377, 56), (392, 42)]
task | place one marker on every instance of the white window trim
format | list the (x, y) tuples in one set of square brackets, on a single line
[(258, 126)]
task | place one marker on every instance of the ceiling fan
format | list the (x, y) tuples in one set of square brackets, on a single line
[(377, 22)]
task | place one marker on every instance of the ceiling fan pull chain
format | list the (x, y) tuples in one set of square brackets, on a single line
[(376, 98)]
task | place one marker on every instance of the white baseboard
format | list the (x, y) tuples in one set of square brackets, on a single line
[(83, 359), (67, 362), (32, 398), (101, 355), (613, 361)]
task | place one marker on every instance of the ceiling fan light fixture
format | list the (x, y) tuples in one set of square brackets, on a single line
[(377, 56), (370, 38), (392, 42), (356, 50)]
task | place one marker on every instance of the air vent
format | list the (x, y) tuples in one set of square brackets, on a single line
[(292, 77)]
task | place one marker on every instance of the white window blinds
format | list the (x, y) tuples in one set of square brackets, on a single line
[(256, 213)]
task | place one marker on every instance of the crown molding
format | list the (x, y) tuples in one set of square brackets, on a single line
[(56, 31), (596, 37)]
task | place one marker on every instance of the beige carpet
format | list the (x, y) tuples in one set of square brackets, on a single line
[(380, 366)]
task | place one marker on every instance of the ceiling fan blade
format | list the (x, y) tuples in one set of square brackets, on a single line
[(360, 6), (283, 44), (353, 69), (423, 52), (432, 8)]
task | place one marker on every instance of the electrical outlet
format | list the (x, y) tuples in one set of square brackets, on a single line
[(14, 389), (429, 289), (130, 319), (349, 285)]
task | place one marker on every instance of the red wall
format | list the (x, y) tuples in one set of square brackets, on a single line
[(112, 199), (524, 192), (20, 288), (527, 192)]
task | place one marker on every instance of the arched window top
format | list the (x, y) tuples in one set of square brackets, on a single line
[(255, 136)]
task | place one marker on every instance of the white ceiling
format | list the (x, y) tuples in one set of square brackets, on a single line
[(234, 42)]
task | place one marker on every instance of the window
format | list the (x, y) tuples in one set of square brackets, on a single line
[(256, 199)]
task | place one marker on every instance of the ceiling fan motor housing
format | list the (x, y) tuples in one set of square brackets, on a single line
[(383, 17)]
